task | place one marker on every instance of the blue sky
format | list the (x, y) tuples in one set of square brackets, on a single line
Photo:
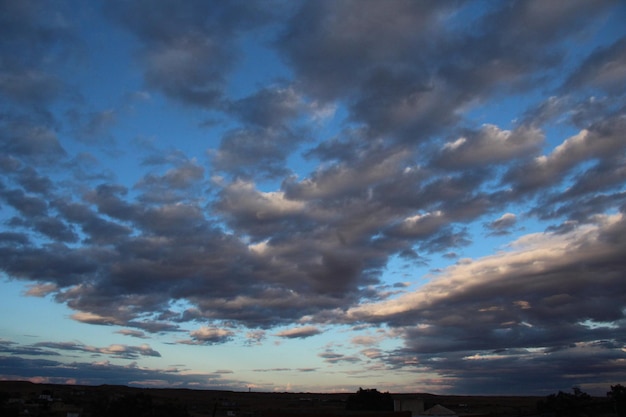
[(314, 195)]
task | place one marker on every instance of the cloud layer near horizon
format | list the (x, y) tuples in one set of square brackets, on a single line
[(382, 132)]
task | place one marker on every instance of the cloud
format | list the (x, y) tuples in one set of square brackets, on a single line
[(333, 46), (172, 186), (54, 349), (209, 336), (373, 353), (41, 290), (257, 212), (489, 145), (98, 373), (365, 340), (92, 126), (27, 177), (335, 358), (368, 168), (437, 66), (299, 332), (187, 50), (31, 86), (269, 107), (532, 256), (603, 69), (256, 151), (525, 304), (95, 229), (38, 46), (599, 141), (25, 204), (117, 351), (255, 337), (272, 370), (273, 127), (30, 141), (489, 371), (91, 318), (133, 333), (502, 225), (13, 348)]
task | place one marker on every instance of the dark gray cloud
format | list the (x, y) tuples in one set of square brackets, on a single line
[(255, 151), (55, 229), (175, 185), (502, 225), (514, 46), (187, 50), (299, 332), (27, 205), (14, 238), (342, 180), (269, 107), (334, 47), (600, 140), (341, 50), (434, 69), (273, 129), (55, 263), (93, 126), (509, 371), (603, 69), (28, 139), (179, 177), (489, 145), (13, 348), (104, 372), (33, 182), (94, 228), (34, 47), (61, 348), (30, 87)]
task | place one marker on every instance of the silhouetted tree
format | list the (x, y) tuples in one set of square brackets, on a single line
[(617, 395), (564, 404), (370, 400)]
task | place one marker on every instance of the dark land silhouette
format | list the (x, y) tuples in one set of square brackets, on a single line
[(20, 398)]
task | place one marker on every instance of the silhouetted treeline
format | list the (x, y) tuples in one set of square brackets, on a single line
[(370, 400), (617, 395), (581, 404)]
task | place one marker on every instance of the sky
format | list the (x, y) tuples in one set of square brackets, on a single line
[(314, 196)]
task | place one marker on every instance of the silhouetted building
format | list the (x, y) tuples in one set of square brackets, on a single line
[(414, 405)]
